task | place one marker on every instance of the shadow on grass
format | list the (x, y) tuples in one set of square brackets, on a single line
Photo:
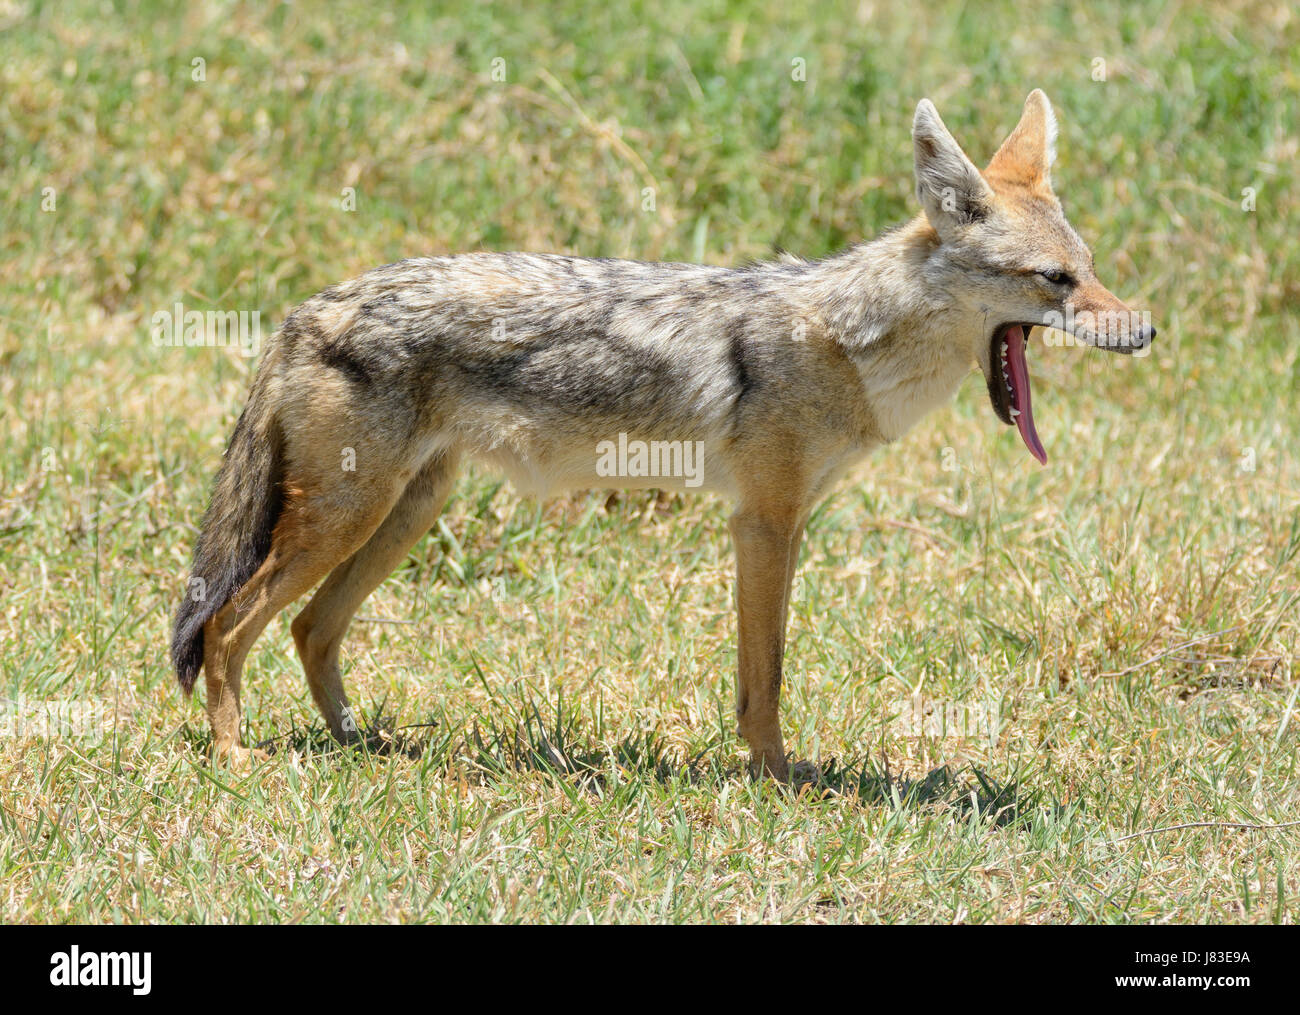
[(562, 749), (379, 735), (964, 791)]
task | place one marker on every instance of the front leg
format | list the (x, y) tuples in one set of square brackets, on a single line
[(767, 546)]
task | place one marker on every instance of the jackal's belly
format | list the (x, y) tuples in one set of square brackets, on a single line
[(621, 460)]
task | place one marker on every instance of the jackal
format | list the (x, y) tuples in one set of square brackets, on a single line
[(776, 377)]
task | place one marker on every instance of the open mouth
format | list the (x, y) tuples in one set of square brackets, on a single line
[(1008, 381)]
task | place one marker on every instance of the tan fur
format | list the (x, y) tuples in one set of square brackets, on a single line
[(784, 375)]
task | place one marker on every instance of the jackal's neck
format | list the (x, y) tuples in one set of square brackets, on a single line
[(878, 289)]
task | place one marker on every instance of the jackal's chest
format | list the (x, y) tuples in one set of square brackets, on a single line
[(900, 394)]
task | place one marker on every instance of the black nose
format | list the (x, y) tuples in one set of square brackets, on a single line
[(1145, 337)]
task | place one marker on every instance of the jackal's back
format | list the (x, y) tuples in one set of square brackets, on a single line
[(655, 346)]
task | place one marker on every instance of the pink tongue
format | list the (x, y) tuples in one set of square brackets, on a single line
[(1019, 372)]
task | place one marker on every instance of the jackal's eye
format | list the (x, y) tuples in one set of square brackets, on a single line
[(1055, 276)]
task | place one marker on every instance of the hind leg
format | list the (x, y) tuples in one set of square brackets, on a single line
[(316, 531), (318, 630)]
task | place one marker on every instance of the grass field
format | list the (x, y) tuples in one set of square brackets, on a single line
[(1013, 679)]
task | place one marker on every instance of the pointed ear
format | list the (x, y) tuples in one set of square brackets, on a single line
[(1029, 151), (949, 187)]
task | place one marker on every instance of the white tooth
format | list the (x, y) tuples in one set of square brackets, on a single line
[(1015, 413), (1004, 350)]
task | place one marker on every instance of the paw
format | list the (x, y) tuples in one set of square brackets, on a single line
[(238, 758)]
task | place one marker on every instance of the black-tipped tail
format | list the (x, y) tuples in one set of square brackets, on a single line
[(236, 534)]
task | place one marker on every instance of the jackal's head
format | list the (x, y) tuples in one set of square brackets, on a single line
[(1008, 261)]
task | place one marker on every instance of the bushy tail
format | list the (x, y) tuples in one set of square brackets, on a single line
[(236, 534)]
